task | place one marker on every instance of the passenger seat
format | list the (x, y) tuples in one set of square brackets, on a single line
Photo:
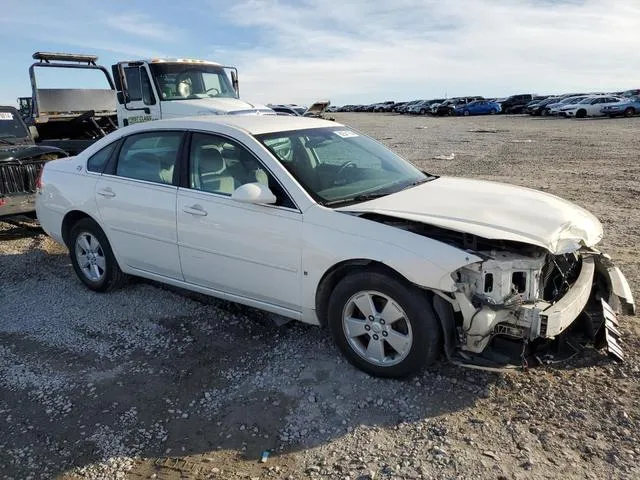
[(214, 177)]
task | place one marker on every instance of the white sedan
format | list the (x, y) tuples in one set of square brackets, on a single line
[(312, 220), (589, 106)]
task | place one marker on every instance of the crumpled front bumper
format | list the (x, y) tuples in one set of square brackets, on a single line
[(556, 318)]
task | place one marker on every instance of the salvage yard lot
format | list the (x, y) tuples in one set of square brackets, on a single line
[(149, 382)]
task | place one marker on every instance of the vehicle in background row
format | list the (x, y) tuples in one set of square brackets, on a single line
[(140, 91), (537, 107), (589, 107), (20, 164), (288, 109), (407, 106), (316, 222), (554, 107), (634, 92), (515, 103), (629, 107), (479, 107), (424, 107), (316, 110), (448, 107)]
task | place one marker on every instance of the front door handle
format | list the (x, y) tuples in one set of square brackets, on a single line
[(106, 192), (195, 210)]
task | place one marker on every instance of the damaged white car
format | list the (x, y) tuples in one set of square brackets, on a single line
[(314, 221)]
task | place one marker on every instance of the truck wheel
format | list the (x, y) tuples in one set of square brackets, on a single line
[(92, 257), (382, 325)]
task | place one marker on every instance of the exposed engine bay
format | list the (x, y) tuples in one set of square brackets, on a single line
[(522, 293)]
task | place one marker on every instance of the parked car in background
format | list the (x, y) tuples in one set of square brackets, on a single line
[(479, 107), (424, 107), (314, 221), (554, 108), (515, 103), (382, 107), (398, 106), (634, 92), (448, 107), (629, 107), (590, 106), (290, 109), (408, 106), (537, 107), (20, 164)]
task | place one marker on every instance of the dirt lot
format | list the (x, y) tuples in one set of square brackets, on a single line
[(152, 383)]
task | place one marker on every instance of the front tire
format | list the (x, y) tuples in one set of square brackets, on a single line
[(629, 112), (383, 326), (581, 113), (92, 257), (466, 113)]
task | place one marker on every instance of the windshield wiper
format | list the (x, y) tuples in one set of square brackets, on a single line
[(363, 197), (6, 142)]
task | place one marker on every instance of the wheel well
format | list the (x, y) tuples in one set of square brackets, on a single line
[(339, 271), (69, 221)]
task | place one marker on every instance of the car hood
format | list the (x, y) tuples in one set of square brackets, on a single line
[(492, 210), (212, 106)]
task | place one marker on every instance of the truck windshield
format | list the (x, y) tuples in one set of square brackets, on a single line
[(183, 81)]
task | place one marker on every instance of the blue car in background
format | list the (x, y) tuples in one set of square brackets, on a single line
[(479, 107), (629, 108)]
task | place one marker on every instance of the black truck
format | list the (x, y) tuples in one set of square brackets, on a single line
[(20, 164)]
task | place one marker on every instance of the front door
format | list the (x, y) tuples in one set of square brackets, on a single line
[(250, 251), (141, 103), (136, 200)]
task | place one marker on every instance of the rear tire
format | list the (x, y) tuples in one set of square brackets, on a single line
[(382, 325), (493, 111), (92, 257), (466, 113)]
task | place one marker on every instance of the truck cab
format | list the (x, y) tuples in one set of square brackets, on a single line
[(169, 88)]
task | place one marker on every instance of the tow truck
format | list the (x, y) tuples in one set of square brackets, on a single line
[(134, 91)]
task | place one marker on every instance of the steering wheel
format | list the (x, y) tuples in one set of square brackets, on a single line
[(343, 168), (212, 88)]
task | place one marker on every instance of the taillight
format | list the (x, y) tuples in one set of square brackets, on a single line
[(39, 179)]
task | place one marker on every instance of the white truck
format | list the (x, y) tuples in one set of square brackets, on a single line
[(139, 91)]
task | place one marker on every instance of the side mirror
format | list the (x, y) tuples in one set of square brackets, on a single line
[(253, 193), (234, 81)]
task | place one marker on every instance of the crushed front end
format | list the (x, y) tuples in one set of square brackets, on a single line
[(533, 297)]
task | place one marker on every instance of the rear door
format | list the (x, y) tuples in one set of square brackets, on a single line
[(136, 198)]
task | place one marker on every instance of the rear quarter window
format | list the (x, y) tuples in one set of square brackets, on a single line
[(98, 160)]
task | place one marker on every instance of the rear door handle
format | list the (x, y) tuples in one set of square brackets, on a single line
[(195, 210), (106, 192)]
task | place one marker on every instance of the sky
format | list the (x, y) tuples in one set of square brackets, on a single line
[(347, 51)]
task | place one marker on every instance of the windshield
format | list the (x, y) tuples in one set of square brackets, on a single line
[(180, 81), (338, 166), (11, 127)]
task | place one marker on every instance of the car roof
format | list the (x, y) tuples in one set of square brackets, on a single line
[(253, 124)]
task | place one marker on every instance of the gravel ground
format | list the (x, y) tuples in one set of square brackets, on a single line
[(150, 382)]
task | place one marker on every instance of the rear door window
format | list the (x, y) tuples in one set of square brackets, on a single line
[(149, 156)]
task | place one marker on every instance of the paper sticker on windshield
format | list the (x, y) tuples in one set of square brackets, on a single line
[(6, 116), (346, 133)]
